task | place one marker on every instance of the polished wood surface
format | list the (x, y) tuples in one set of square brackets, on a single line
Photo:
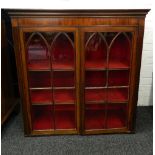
[(78, 21), (78, 12)]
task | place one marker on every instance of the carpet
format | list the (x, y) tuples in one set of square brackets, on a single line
[(13, 141)]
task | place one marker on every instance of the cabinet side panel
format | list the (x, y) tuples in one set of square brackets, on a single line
[(136, 72), (19, 64)]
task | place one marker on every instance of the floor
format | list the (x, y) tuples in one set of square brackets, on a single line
[(141, 143)]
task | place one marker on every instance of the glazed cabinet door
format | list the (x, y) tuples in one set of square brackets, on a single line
[(50, 56), (106, 83)]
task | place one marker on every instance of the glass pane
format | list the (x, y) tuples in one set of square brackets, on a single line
[(63, 79), (116, 115), (95, 78), (109, 36), (42, 117), (65, 117), (95, 51), (64, 96), (95, 95), (41, 96), (39, 79), (62, 48), (37, 51), (117, 94), (119, 56), (94, 116), (118, 78)]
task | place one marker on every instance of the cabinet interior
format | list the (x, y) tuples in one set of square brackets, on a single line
[(51, 66)]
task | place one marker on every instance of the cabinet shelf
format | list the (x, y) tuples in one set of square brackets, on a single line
[(56, 88), (106, 87), (51, 70), (115, 65), (106, 95), (58, 96), (46, 65), (64, 96), (41, 96), (63, 65), (118, 94), (41, 103), (43, 66), (95, 102), (50, 103), (95, 65), (112, 65), (105, 102), (39, 65), (42, 88), (95, 95)]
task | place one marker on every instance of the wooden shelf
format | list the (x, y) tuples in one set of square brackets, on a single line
[(116, 65), (106, 87), (63, 66), (49, 96), (40, 88), (100, 66), (40, 65), (95, 65)]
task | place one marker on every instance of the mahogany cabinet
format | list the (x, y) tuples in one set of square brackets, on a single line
[(78, 70)]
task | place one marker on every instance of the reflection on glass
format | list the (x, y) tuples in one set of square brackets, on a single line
[(63, 51), (95, 51), (37, 52)]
